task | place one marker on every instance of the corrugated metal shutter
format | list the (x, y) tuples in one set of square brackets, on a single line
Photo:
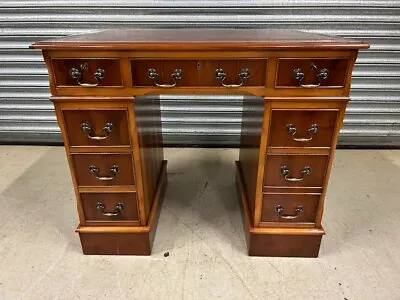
[(372, 118)]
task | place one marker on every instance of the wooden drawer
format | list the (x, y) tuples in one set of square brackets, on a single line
[(290, 208), (110, 206), (191, 73), (295, 170), (87, 72), (103, 169), (311, 72), (302, 128), (97, 127)]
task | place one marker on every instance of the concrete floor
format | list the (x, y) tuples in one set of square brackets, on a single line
[(200, 226)]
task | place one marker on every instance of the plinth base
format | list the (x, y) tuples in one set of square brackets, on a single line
[(136, 240), (286, 242)]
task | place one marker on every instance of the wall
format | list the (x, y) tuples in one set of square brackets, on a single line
[(372, 118)]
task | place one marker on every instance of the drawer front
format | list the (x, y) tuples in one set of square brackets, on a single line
[(190, 73), (110, 206), (293, 170), (87, 72), (97, 127), (103, 169), (302, 128), (289, 208), (311, 72)]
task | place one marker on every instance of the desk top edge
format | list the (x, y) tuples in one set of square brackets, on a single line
[(198, 39)]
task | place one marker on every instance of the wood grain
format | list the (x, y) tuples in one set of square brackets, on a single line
[(330, 163), (97, 119), (150, 143), (280, 242), (289, 202), (128, 240), (337, 71), (295, 163), (302, 120), (111, 67), (129, 212), (250, 139), (135, 143), (104, 161)]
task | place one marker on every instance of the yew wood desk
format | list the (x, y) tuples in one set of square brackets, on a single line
[(113, 137)]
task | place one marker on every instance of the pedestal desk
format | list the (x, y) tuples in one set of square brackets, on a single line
[(113, 138)]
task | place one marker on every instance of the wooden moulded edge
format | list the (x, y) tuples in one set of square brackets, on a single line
[(185, 45)]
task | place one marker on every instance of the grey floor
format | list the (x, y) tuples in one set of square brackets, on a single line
[(200, 227)]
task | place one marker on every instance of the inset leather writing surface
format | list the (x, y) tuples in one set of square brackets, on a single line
[(102, 206), (302, 127), (311, 68), (290, 208), (112, 169), (200, 39), (97, 127), (199, 72), (87, 71), (302, 170)]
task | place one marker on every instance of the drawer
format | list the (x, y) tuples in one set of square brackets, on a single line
[(311, 72), (87, 72), (110, 206), (206, 73), (97, 127), (295, 170), (289, 208), (103, 169), (302, 128)]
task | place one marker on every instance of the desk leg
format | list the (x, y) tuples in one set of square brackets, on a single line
[(151, 179), (284, 242), (126, 240)]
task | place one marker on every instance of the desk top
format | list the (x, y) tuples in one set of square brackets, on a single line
[(199, 39)]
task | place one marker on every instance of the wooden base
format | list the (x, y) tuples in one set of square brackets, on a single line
[(125, 240), (281, 242)]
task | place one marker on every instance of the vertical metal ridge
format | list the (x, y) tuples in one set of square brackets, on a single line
[(372, 118)]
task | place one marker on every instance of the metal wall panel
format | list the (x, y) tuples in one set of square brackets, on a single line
[(372, 118)]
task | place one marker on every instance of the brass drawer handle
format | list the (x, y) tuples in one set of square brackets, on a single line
[(77, 74), (87, 128), (297, 211), (176, 75), (314, 128), (322, 74), (286, 171), (95, 170), (117, 210), (243, 74)]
